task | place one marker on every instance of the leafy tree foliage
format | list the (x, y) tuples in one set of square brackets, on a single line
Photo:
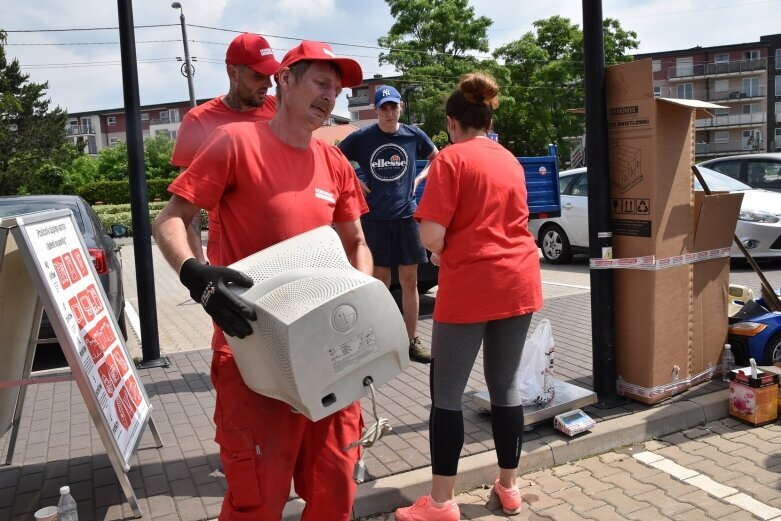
[(546, 70), (433, 42), (32, 146), (157, 156)]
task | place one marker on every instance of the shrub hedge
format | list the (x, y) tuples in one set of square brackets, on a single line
[(118, 192), (121, 214)]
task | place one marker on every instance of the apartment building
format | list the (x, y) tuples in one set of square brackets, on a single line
[(745, 79), (96, 130)]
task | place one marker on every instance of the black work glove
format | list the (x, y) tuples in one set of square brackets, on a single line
[(208, 285)]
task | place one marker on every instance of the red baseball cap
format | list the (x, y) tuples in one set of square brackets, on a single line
[(352, 74), (253, 51)]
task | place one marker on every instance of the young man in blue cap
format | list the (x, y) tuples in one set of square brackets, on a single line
[(386, 153)]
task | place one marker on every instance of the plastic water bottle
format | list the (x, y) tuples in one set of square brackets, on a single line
[(727, 362), (66, 508)]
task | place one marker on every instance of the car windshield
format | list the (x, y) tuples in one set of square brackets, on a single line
[(10, 208), (718, 182)]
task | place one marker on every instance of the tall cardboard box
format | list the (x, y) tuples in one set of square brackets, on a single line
[(662, 313)]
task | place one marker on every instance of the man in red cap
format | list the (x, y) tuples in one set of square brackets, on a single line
[(270, 181), (250, 64)]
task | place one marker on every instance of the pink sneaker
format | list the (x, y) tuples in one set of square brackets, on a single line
[(509, 497), (423, 510)]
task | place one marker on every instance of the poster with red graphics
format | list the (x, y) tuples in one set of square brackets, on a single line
[(76, 304)]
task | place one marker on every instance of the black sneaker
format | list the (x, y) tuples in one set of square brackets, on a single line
[(418, 352)]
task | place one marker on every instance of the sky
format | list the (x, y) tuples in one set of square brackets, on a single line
[(84, 72)]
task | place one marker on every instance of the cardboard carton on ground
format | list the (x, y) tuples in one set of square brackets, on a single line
[(662, 340), (753, 400)]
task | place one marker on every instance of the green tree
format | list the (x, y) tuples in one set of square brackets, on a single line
[(112, 163), (31, 135), (546, 83), (157, 156)]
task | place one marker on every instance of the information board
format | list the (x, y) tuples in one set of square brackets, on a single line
[(60, 275)]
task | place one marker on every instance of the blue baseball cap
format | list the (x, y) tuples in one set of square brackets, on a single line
[(385, 94)]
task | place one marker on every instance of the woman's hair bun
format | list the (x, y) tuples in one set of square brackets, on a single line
[(480, 88)]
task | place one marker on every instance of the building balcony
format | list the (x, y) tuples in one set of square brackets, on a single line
[(734, 68), (79, 130), (757, 92), (732, 148), (163, 122), (357, 101), (733, 121)]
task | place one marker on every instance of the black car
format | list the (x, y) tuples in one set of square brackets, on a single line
[(756, 170), (102, 249)]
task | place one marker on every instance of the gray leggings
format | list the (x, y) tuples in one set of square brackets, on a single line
[(454, 348)]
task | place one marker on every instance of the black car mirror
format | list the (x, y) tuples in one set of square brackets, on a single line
[(118, 230)]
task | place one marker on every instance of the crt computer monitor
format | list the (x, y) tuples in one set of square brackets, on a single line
[(322, 326)]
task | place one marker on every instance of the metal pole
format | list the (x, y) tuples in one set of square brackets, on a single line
[(139, 202), (600, 235), (187, 63)]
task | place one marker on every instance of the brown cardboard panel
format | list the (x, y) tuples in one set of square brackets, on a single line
[(630, 81), (652, 325), (710, 290), (717, 216)]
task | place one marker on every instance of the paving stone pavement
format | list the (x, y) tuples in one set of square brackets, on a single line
[(723, 469), (58, 444)]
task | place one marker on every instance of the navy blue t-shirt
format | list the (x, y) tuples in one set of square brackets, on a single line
[(388, 165)]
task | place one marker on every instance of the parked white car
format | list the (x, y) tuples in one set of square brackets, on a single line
[(758, 228)]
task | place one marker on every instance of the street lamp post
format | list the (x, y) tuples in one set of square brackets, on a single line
[(188, 66)]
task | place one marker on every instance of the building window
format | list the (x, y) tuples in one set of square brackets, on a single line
[(750, 55), (145, 116), (721, 136), (111, 121), (778, 138), (173, 115), (721, 58), (657, 91), (778, 59), (657, 65), (778, 111), (750, 108), (721, 86), (778, 85), (164, 116), (750, 87), (685, 91), (113, 141), (684, 66), (721, 112)]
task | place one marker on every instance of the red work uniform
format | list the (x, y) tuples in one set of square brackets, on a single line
[(266, 191), (196, 127), (490, 268)]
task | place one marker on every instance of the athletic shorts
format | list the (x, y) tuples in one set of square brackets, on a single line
[(394, 243)]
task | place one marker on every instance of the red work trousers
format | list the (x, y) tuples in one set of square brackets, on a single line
[(264, 445)]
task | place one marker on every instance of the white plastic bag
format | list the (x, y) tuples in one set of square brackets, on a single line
[(535, 376)]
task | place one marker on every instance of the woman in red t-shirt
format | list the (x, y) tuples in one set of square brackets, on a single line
[(474, 219)]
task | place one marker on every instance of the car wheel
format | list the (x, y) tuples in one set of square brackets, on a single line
[(772, 350), (555, 245), (122, 325)]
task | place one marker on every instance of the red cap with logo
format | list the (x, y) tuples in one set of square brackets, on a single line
[(351, 72), (253, 51)]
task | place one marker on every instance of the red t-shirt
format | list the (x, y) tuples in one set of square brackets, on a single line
[(196, 127), (267, 191), (490, 268)]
